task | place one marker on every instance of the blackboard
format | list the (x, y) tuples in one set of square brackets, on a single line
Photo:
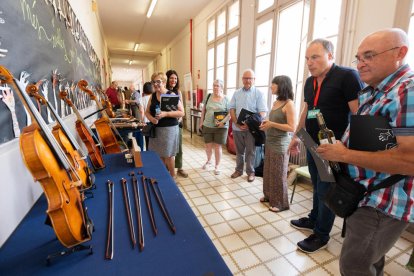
[(42, 37)]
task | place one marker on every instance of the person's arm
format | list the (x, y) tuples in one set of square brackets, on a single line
[(294, 143), (353, 106), (398, 160), (234, 120), (148, 113), (290, 126), (173, 114)]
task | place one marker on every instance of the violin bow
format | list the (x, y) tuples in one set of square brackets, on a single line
[(149, 205), (138, 208), (128, 211), (161, 203), (109, 252)]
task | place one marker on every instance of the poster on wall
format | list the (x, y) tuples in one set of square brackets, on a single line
[(43, 43), (188, 87)]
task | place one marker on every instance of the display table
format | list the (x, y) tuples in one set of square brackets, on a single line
[(188, 252)]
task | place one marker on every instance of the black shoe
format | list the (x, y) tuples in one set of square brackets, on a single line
[(312, 244), (303, 224)]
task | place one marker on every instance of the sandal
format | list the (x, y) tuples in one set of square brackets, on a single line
[(264, 199), (206, 165)]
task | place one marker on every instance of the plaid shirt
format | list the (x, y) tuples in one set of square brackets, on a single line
[(393, 99)]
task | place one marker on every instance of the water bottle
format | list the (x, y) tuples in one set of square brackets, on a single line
[(157, 110)]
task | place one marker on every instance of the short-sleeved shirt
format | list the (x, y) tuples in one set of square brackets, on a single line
[(393, 99), (211, 107), (340, 86), (251, 99)]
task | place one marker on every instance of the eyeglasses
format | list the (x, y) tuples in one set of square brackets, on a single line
[(369, 56), (157, 82), (244, 78)]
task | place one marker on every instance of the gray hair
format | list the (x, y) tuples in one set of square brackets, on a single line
[(220, 82), (326, 44)]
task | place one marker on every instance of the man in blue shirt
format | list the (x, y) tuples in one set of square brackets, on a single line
[(250, 98)]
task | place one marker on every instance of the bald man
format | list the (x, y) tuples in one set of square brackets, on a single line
[(383, 214)]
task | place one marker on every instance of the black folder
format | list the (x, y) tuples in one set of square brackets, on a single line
[(169, 102), (371, 133), (244, 113)]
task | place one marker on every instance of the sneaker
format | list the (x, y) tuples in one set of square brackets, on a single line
[(251, 177), (182, 173), (217, 171), (236, 174), (206, 165), (312, 244), (303, 224)]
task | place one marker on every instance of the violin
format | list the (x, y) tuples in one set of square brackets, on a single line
[(106, 130), (50, 166), (105, 102), (86, 135), (66, 141)]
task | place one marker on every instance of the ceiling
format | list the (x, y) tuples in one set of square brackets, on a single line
[(124, 23)]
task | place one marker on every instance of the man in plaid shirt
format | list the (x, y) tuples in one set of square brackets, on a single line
[(385, 213)]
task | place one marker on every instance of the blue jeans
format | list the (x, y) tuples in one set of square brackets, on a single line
[(321, 215)]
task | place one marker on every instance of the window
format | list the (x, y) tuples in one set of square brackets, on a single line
[(211, 30), (290, 51), (263, 55), (263, 5), (410, 56), (221, 24), (223, 47), (234, 15)]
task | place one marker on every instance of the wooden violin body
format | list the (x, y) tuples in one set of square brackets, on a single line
[(50, 166), (61, 134), (85, 134), (105, 131), (65, 208)]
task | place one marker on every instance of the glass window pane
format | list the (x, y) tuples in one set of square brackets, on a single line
[(327, 15), (220, 73), (232, 49), (265, 91), (220, 54), (262, 67), (234, 14), (264, 4), (410, 57), (230, 92), (210, 58), (221, 24), (211, 30), (210, 79), (232, 75), (264, 37)]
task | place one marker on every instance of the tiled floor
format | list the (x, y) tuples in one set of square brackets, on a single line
[(253, 240)]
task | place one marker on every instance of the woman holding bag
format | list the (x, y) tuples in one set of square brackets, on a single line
[(213, 121)]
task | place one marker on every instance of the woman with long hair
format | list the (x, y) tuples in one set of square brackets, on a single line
[(166, 141), (173, 84), (282, 120)]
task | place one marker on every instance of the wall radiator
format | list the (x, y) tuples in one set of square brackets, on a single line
[(299, 159)]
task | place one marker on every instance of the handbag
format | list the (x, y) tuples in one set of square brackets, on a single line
[(149, 130), (345, 194)]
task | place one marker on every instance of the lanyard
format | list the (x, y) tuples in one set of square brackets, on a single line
[(318, 91)]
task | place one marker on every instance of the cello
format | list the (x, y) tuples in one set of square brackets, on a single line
[(105, 101), (49, 165), (86, 134), (106, 130), (66, 141)]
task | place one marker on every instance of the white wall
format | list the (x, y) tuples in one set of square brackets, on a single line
[(19, 191)]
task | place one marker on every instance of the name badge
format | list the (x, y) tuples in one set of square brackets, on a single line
[(312, 113)]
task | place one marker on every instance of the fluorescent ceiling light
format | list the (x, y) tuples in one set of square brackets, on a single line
[(151, 8), (130, 62), (136, 47)]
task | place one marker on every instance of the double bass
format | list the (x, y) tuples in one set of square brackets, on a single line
[(106, 130), (49, 165), (66, 141), (86, 134)]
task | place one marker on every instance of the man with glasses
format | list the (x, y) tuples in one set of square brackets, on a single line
[(250, 98), (382, 214), (333, 91)]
